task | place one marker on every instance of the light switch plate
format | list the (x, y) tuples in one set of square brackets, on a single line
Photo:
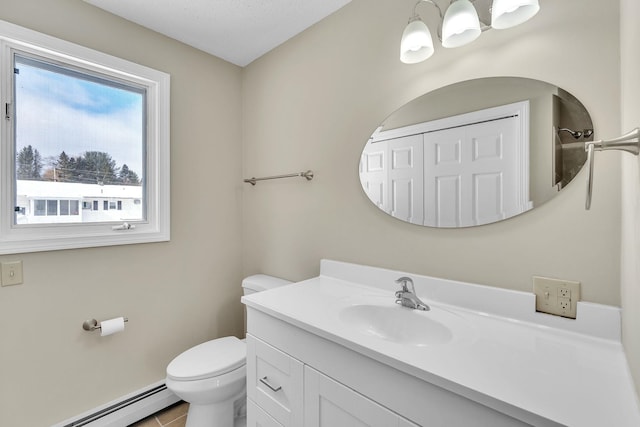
[(11, 273), (556, 296)]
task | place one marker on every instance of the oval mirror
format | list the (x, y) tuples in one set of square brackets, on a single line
[(476, 152)]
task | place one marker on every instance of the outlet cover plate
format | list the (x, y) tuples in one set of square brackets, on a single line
[(556, 296), (11, 273)]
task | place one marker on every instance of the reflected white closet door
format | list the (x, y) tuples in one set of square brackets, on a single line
[(472, 173), (405, 178)]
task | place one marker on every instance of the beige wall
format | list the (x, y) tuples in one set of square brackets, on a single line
[(630, 276), (313, 102), (175, 294)]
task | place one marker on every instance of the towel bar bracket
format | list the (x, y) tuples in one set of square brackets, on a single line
[(629, 142)]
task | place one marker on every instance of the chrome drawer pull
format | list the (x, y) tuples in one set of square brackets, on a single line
[(266, 382)]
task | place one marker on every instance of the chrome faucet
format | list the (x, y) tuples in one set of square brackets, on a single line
[(408, 298)]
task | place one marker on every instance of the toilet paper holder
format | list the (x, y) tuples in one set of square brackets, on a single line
[(92, 324)]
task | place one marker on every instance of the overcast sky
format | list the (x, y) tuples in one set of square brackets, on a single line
[(58, 112)]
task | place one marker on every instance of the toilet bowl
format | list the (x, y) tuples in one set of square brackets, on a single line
[(211, 376)]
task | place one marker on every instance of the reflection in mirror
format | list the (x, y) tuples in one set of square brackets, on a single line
[(476, 152)]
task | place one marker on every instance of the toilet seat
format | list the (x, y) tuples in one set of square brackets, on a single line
[(209, 359)]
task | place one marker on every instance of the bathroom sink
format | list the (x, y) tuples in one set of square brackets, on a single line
[(399, 324)]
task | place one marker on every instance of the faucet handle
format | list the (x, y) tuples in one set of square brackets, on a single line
[(403, 282)]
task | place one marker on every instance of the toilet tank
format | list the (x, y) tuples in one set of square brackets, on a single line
[(262, 282)]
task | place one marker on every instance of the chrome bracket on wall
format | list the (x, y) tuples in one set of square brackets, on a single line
[(629, 142)]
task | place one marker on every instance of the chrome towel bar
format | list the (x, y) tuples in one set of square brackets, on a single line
[(308, 175)]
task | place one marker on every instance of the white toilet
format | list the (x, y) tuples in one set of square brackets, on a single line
[(211, 376)]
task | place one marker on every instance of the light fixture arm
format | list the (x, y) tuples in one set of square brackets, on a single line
[(416, 16), (483, 25), (415, 12)]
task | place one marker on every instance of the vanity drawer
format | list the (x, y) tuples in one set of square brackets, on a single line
[(256, 417), (274, 382)]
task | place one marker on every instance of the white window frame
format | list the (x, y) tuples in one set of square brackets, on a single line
[(44, 237)]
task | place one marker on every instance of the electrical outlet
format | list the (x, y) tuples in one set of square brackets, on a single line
[(564, 293), (555, 296)]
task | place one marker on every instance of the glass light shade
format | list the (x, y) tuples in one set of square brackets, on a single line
[(461, 24), (509, 13), (416, 44)]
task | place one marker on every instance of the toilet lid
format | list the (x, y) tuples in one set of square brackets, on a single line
[(208, 359)]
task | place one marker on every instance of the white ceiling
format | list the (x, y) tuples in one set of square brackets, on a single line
[(238, 31)]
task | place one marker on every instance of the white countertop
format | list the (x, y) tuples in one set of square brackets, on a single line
[(570, 378)]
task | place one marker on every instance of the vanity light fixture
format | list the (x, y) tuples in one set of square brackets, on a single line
[(460, 25)]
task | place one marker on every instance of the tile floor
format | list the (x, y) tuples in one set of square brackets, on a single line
[(173, 416)]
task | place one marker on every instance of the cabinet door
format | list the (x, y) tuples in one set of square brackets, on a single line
[(274, 382), (328, 403)]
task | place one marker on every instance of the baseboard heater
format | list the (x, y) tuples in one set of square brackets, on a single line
[(127, 409)]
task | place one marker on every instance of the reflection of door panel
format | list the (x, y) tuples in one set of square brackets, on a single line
[(373, 174), (471, 173), (446, 204), (442, 177), (391, 175), (494, 145), (487, 198), (405, 178)]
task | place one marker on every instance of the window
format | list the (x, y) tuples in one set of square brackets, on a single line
[(69, 207), (52, 207), (64, 207), (40, 207), (79, 125)]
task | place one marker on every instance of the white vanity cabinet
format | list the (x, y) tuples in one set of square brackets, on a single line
[(298, 379), (282, 391)]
